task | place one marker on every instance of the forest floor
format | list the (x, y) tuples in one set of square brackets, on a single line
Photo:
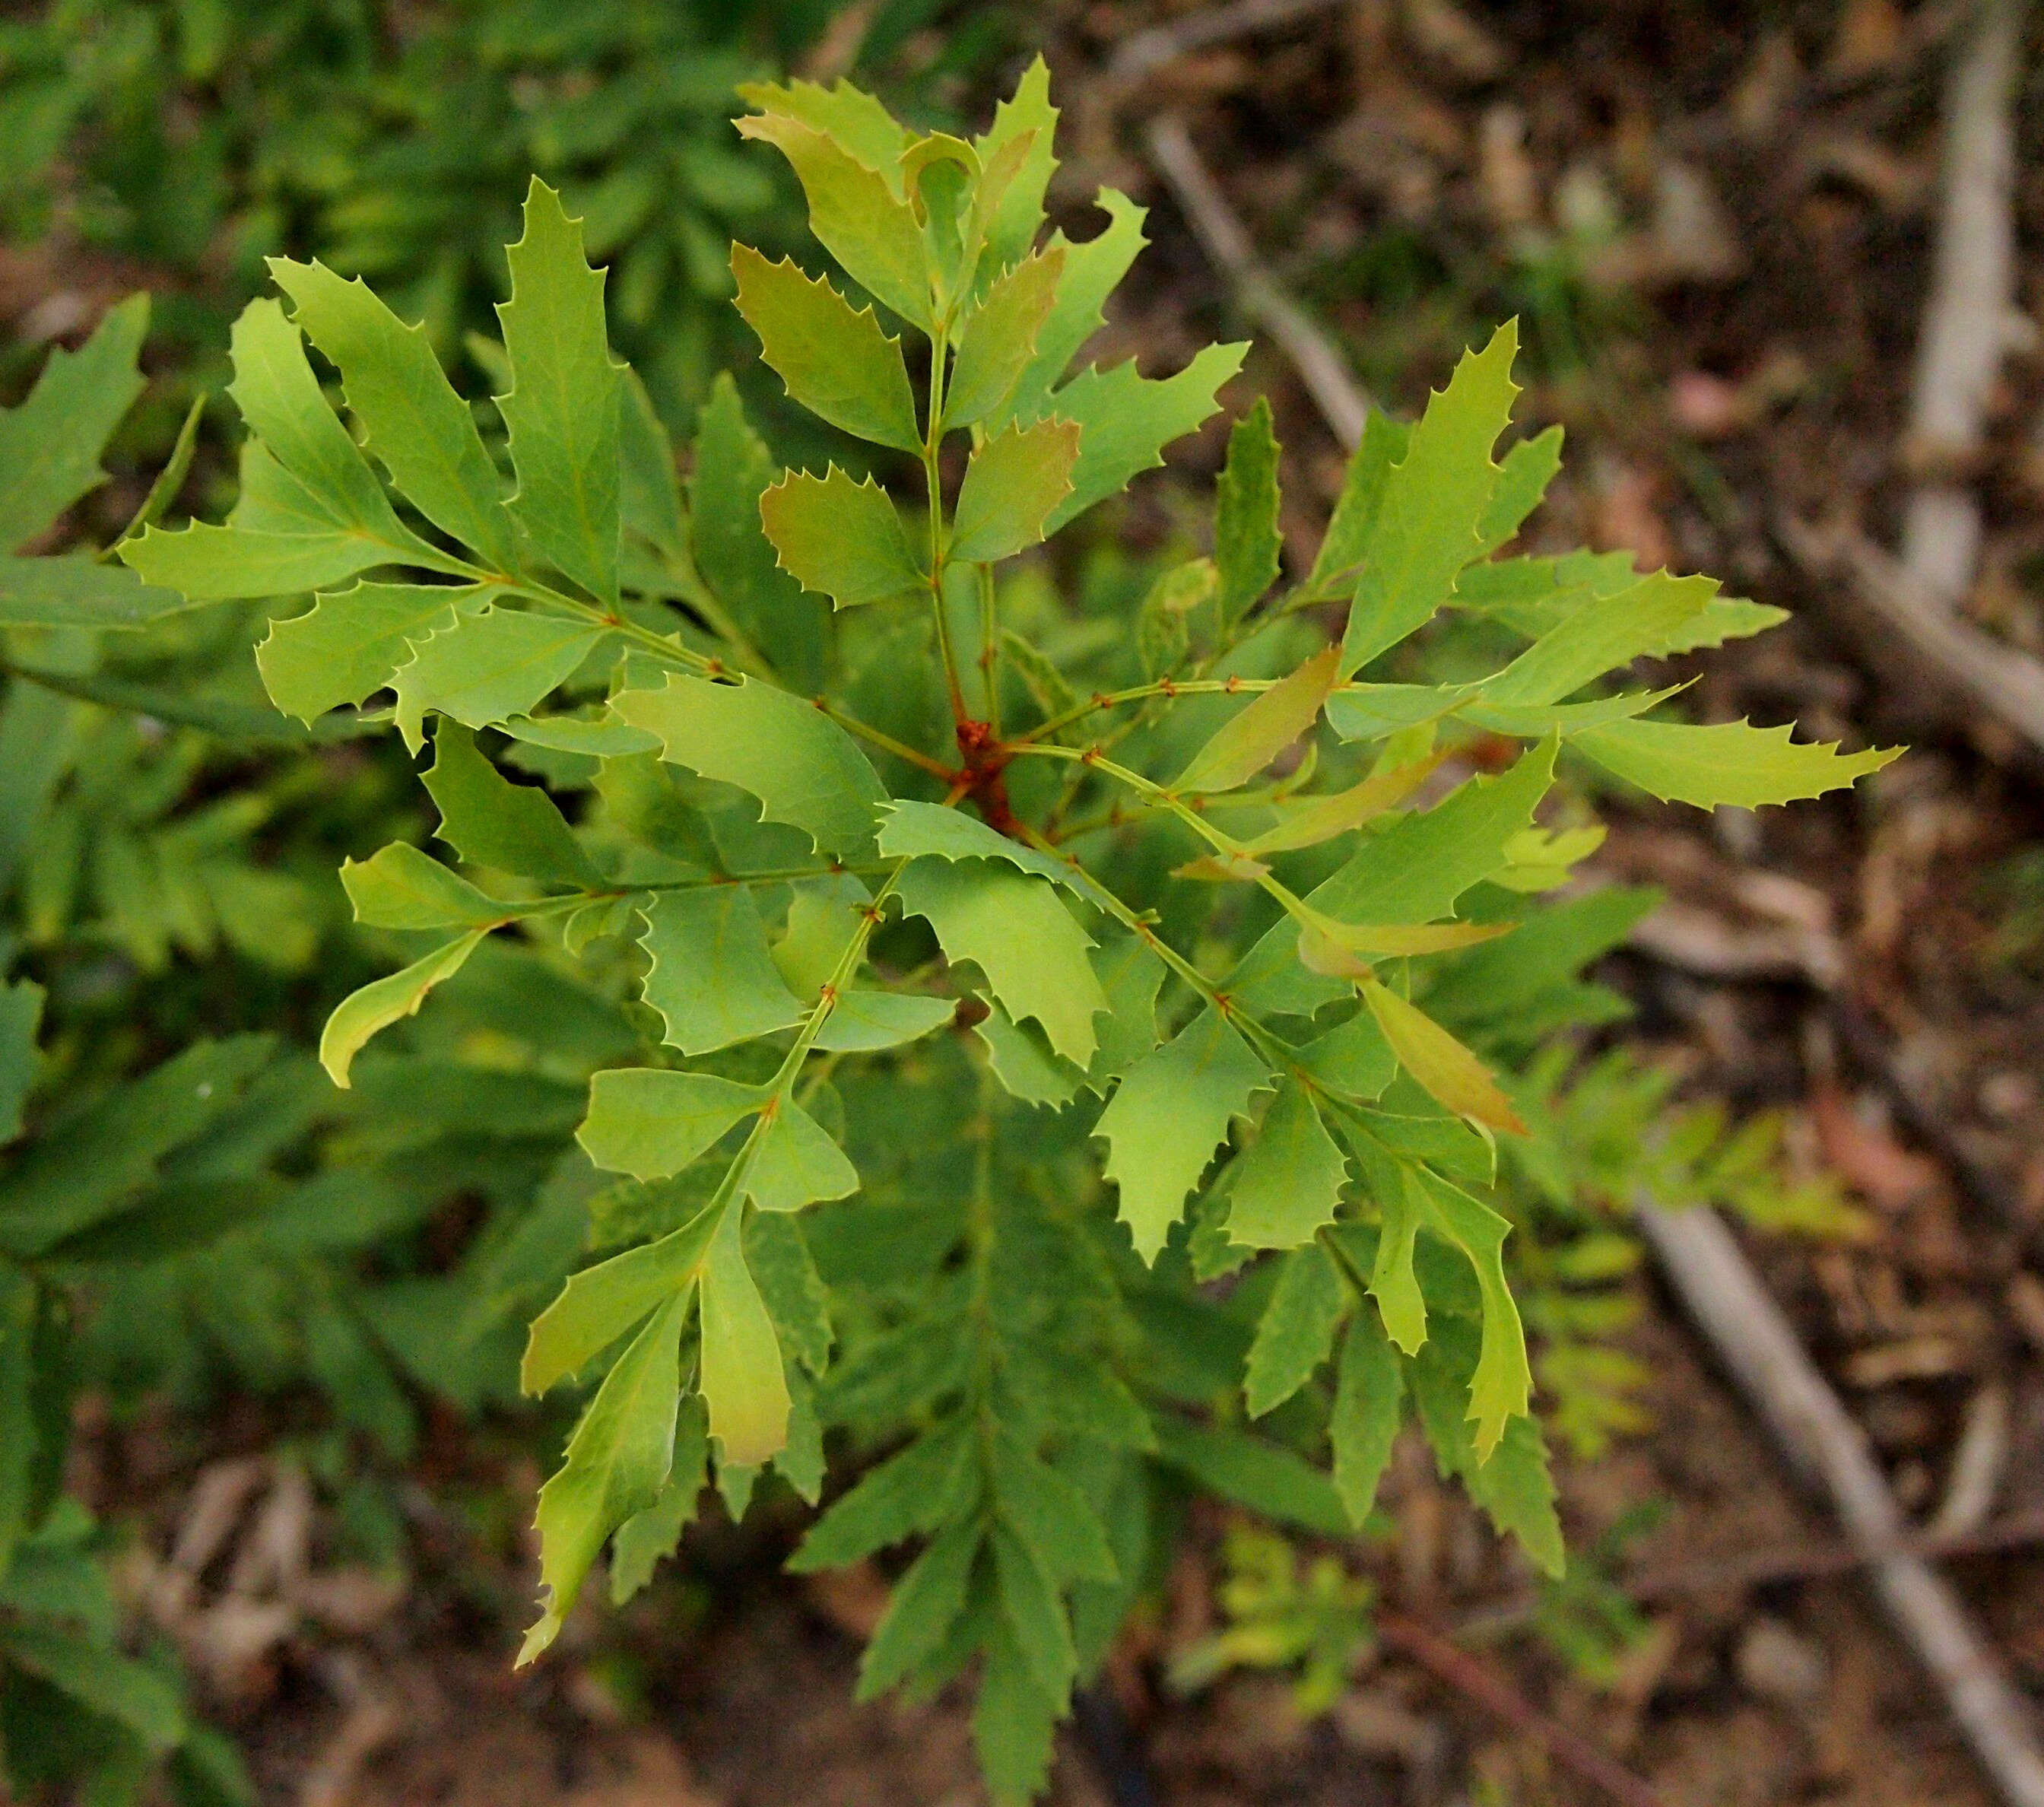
[(1717, 221)]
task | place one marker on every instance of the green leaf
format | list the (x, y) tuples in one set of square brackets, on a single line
[(616, 1462), (1249, 740), (1014, 1723), (383, 1002), (732, 470), (1246, 540), (1049, 1515), (222, 564), (1266, 1477), (643, 1539), (651, 1123), (1364, 1423), (1092, 270), (778, 1255), (1019, 213), (908, 829), (923, 1606), (399, 888), (351, 642), (649, 484), (1015, 929), (803, 768), (76, 590), (742, 1382), (1013, 484), (840, 538), (1289, 1181), (916, 1489), (562, 409), (864, 1022), (50, 445), (712, 977), (20, 1307), (795, 1163), (488, 819), (1026, 1070), (596, 739), (1167, 1117), (1452, 1076), (855, 213), (410, 416), (1035, 1615), (1522, 480), (102, 1681), (1424, 529), (852, 118), (488, 665), (1725, 762), (1347, 539), (1608, 633), (599, 1304), (1000, 338), (1502, 1384), (21, 1012), (837, 363), (1296, 1333), (1401, 1205), (1126, 420)]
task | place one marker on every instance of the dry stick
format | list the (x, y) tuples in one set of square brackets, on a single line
[(1967, 322), (1151, 49), (1342, 401), (1753, 1339), (1472, 1676)]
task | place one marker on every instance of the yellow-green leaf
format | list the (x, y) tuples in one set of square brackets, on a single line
[(1014, 480), (383, 1002), (1250, 739), (1451, 1074), (743, 1382), (840, 538), (1725, 762), (651, 1122)]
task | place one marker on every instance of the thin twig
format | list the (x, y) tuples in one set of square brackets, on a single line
[(1753, 1339), (1149, 50), (1342, 402), (1967, 322), (1472, 1676)]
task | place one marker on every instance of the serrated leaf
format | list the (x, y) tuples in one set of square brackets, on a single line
[(1264, 1476), (1364, 1423), (1451, 1074), (924, 1605), (864, 1022), (855, 213), (1608, 633), (643, 1539), (732, 470), (1502, 1384), (1125, 420), (1250, 739), (803, 769), (1346, 541), (50, 444), (1013, 928), (1725, 762), (1000, 338), (1246, 541), (779, 1257), (1015, 483), (651, 1123), (1307, 821), (399, 888), (1014, 1722), (1289, 1181), (840, 538), (1048, 1515), (1019, 213), (383, 1002), (596, 739), (1424, 529), (712, 977), (858, 123), (410, 416), (1025, 1069), (351, 642), (599, 1304), (1394, 1283), (1169, 1114), (1296, 1333), (837, 363), (909, 830), (488, 819), (488, 665), (1093, 268), (615, 1466), (1523, 477), (914, 1490), (742, 1382), (795, 1163), (76, 590), (1035, 1615), (562, 409)]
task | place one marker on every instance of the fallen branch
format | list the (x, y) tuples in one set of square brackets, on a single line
[(1747, 1329), (1150, 49), (1472, 1676), (1967, 324), (1342, 402), (1975, 670)]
